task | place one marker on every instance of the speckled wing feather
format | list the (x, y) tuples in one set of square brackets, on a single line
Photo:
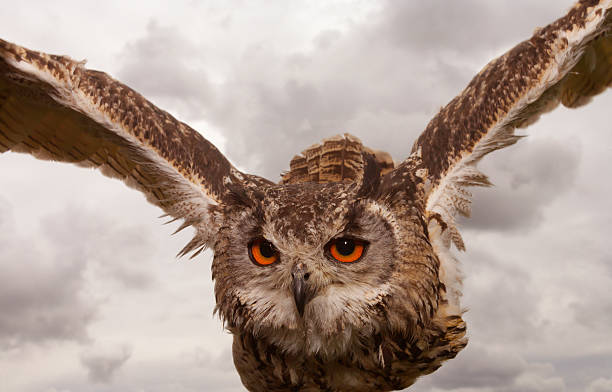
[(336, 159), (52, 107), (567, 62)]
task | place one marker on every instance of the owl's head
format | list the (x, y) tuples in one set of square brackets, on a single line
[(324, 268)]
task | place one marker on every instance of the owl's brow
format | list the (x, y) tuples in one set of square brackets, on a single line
[(250, 199), (352, 226), (256, 232), (238, 196)]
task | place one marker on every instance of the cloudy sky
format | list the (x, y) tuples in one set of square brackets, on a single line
[(92, 297)]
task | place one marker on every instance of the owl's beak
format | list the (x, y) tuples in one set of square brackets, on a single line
[(301, 288)]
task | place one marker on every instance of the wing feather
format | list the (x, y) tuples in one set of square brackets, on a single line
[(335, 159), (568, 62), (53, 108)]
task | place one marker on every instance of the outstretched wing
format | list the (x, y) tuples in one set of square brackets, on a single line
[(54, 108), (568, 62)]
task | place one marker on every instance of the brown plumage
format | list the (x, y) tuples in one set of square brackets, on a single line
[(337, 159), (340, 277)]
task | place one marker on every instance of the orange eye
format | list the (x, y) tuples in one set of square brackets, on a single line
[(262, 252), (346, 250)]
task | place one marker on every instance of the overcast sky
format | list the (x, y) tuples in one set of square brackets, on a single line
[(92, 297)]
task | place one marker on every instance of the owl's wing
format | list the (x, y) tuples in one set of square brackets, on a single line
[(53, 108), (335, 159), (568, 62)]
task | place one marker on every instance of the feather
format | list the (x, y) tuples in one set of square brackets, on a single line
[(53, 108), (565, 62)]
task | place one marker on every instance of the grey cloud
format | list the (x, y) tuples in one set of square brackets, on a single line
[(303, 96), (132, 277), (503, 305), (56, 390), (414, 26), (208, 361), (527, 178), (539, 377), (600, 385), (584, 370), (191, 371), (500, 309), (326, 38), (479, 368), (593, 308), (163, 64), (103, 363), (486, 368), (136, 245), (89, 234), (42, 281), (198, 370), (6, 214), (40, 288)]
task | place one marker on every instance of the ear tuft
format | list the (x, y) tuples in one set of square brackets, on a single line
[(370, 180)]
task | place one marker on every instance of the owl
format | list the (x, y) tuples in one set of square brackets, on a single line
[(340, 277)]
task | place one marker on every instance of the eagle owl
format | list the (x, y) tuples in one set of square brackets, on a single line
[(341, 276)]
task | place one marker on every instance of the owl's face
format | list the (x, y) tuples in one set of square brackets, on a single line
[(310, 267)]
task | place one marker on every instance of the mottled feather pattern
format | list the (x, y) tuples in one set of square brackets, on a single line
[(376, 323), (335, 159), (591, 75), (337, 345), (80, 89), (54, 108), (566, 62)]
